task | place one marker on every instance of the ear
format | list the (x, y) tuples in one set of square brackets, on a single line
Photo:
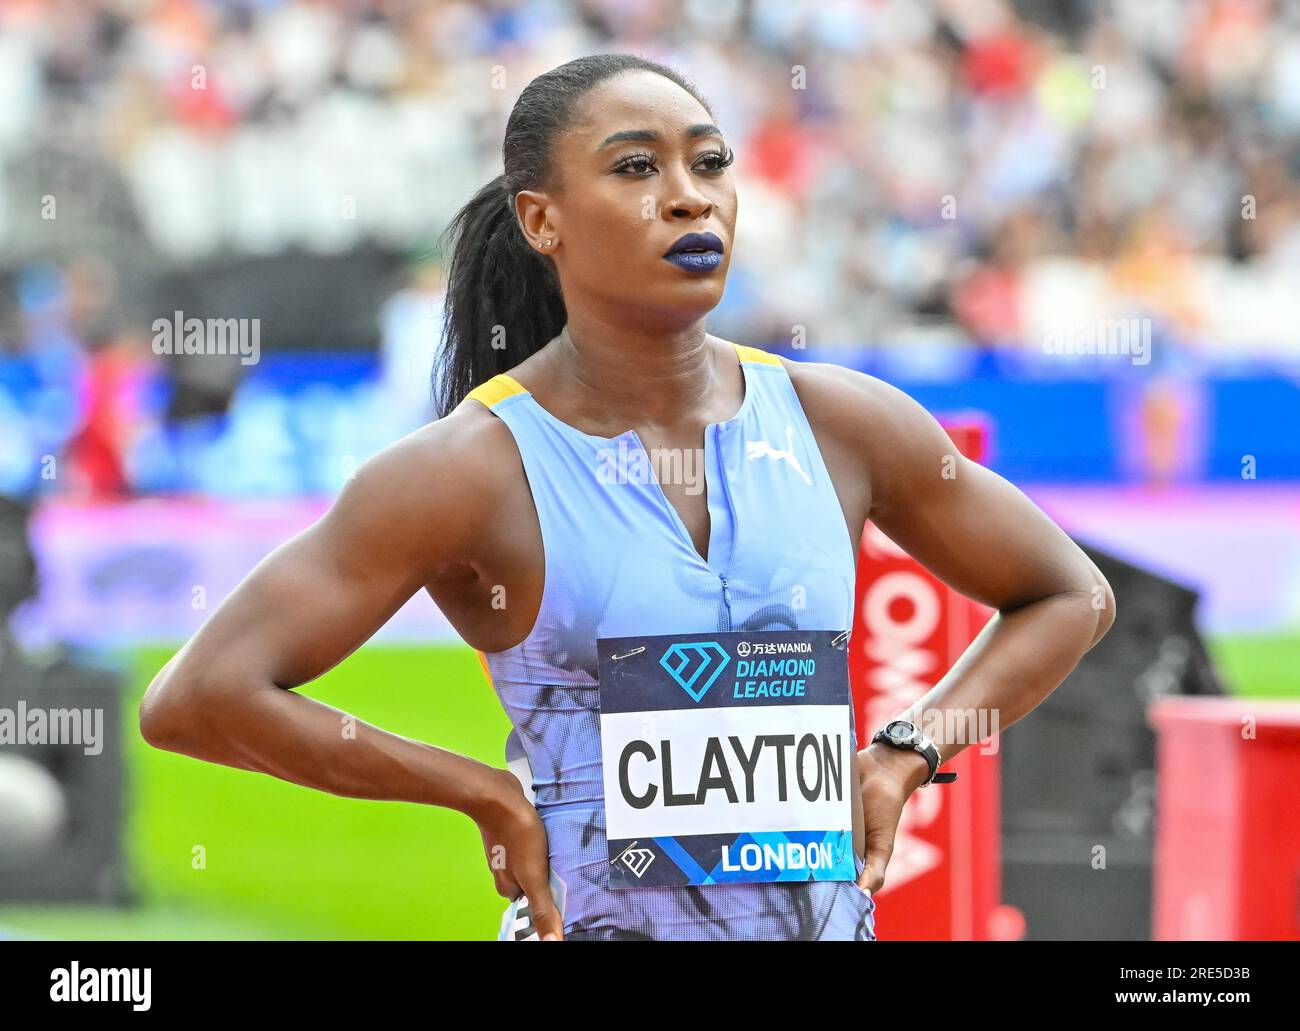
[(532, 208)]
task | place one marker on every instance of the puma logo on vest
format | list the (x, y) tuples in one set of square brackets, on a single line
[(759, 448)]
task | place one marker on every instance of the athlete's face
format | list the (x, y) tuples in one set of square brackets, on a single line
[(641, 167)]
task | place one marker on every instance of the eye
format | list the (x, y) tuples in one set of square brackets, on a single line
[(718, 160), (632, 163)]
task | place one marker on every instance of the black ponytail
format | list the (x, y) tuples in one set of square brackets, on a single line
[(503, 298)]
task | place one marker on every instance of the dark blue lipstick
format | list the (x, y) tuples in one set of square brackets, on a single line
[(696, 252)]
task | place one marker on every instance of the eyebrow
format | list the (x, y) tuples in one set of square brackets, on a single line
[(694, 132)]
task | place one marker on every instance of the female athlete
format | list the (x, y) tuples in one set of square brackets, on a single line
[(615, 509)]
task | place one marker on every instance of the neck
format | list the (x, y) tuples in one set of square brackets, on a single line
[(653, 378)]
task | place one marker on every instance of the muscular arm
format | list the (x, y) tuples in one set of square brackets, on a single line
[(414, 516), (979, 534), (407, 518)]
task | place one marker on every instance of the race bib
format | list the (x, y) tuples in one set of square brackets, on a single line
[(726, 757)]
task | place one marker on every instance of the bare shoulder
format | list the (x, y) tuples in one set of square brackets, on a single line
[(432, 493), (469, 445), (883, 422)]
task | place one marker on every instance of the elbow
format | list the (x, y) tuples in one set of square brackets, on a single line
[(167, 711), (199, 713), (1087, 606), (1102, 599), (158, 719)]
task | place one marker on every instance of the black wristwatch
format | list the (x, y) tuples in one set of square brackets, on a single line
[(901, 734)]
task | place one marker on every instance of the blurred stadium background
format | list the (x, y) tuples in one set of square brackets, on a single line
[(952, 190)]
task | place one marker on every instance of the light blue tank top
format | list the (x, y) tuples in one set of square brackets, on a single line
[(619, 562)]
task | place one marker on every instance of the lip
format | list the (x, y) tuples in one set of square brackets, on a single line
[(696, 241), (696, 253)]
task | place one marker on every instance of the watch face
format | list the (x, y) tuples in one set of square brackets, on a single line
[(900, 731)]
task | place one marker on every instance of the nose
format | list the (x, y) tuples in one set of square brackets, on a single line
[(685, 201)]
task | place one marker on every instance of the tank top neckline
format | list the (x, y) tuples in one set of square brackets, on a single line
[(746, 403)]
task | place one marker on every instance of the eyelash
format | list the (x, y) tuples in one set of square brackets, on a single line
[(724, 160)]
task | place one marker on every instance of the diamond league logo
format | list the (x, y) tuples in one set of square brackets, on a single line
[(637, 860), (688, 663)]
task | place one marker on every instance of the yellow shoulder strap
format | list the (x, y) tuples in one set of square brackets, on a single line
[(753, 354), (496, 390), (482, 661)]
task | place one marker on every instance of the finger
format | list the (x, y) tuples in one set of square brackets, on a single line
[(507, 886), (546, 914), (880, 849), (872, 879)]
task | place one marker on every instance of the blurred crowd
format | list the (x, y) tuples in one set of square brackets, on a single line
[(972, 172)]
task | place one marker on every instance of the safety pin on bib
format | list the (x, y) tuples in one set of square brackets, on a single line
[(836, 640), (634, 651)]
